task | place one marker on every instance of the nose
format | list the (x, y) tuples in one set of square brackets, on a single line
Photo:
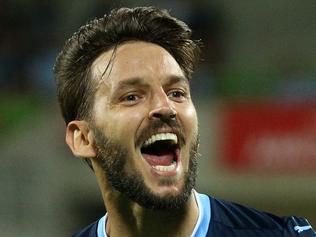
[(162, 108)]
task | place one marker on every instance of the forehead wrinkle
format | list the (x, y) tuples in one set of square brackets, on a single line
[(98, 72), (104, 68)]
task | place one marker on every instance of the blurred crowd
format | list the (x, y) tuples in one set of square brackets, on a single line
[(32, 33), (249, 49)]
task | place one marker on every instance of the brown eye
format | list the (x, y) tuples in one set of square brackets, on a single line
[(177, 95), (131, 98)]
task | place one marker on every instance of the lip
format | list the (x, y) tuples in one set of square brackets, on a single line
[(160, 130)]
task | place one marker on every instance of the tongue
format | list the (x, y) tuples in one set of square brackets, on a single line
[(165, 159)]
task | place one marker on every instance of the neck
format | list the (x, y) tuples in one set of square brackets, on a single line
[(126, 218)]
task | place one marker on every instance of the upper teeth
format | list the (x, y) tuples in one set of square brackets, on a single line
[(161, 137)]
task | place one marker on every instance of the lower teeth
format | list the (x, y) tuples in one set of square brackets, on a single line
[(165, 168)]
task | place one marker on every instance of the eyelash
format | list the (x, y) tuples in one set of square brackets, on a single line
[(178, 92), (176, 95), (128, 100)]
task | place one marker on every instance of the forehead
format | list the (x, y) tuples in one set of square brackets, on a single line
[(135, 59)]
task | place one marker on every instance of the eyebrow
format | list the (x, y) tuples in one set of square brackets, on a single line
[(177, 79), (141, 82), (131, 82)]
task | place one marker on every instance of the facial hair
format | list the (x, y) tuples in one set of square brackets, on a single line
[(114, 156)]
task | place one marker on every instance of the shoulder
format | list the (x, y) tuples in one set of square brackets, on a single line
[(238, 216), (88, 231), (228, 217), (297, 226)]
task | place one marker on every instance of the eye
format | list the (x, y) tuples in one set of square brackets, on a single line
[(177, 95), (130, 99)]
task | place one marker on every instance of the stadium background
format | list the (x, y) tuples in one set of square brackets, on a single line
[(255, 94)]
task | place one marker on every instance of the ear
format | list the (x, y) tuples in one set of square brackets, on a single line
[(80, 139)]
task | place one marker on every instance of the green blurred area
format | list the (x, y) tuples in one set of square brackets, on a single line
[(247, 84), (17, 110)]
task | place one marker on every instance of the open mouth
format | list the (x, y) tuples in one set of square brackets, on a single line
[(161, 151)]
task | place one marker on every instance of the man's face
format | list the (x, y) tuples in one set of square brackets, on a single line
[(145, 124)]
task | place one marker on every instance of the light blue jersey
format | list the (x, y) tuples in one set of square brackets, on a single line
[(219, 218), (201, 225)]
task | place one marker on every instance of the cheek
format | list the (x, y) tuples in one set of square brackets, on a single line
[(120, 124), (191, 119)]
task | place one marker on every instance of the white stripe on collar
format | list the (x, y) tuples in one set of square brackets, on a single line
[(201, 226), (203, 222)]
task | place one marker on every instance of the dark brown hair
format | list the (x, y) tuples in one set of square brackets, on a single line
[(149, 24)]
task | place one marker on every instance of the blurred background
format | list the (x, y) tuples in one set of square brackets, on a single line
[(255, 93)]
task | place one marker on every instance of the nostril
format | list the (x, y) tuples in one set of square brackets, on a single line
[(172, 116), (164, 116), (157, 115), (163, 113)]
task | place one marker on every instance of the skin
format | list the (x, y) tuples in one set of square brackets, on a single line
[(144, 84)]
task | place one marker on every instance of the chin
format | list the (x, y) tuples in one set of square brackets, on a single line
[(168, 191)]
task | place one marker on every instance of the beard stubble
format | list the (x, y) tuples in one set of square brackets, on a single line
[(114, 157)]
